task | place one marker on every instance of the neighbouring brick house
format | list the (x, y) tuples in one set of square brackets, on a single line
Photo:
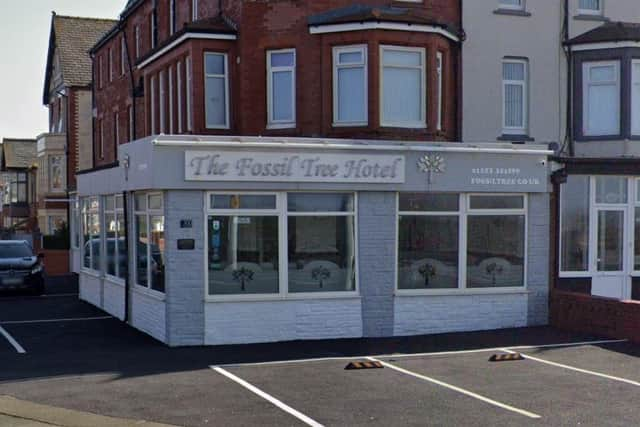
[(67, 147), (18, 167), (281, 170)]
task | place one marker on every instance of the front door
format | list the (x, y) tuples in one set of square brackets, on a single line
[(612, 237)]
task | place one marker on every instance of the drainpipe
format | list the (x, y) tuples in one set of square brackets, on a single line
[(459, 94), (569, 108), (127, 282)]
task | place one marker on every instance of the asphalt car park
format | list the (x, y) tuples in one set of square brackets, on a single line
[(77, 357)]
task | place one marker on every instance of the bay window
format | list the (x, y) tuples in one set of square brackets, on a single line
[(635, 97), (277, 244), (601, 98), (403, 88), (515, 97), (350, 103), (149, 241), (281, 88), (458, 241), (216, 91)]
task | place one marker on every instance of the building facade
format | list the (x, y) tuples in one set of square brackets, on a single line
[(18, 166), (67, 147), (302, 179)]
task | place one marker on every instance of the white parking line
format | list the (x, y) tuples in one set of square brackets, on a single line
[(573, 368), (71, 319), (12, 341), (437, 353), (458, 389), (299, 415)]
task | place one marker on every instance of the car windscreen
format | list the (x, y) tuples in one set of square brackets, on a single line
[(18, 250)]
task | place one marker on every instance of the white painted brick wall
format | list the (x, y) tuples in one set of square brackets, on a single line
[(114, 299), (91, 289), (266, 321), (148, 314), (417, 315)]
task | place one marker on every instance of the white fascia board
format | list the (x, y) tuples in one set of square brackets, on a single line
[(382, 25), (181, 39), (605, 45)]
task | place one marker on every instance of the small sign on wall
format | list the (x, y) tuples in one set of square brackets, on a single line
[(186, 244), (186, 223)]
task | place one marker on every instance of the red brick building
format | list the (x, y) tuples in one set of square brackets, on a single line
[(149, 71)]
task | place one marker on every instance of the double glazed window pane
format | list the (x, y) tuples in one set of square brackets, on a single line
[(495, 251), (282, 98), (496, 202), (142, 242), (635, 99), (610, 240), (601, 99), (428, 252), (157, 252), (351, 94), (429, 202), (122, 258), (112, 256), (216, 101), (248, 201), (575, 224), (611, 189), (591, 5), (402, 95), (513, 75), (321, 253), (243, 255), (319, 202)]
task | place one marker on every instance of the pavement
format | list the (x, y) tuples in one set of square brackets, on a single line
[(78, 360)]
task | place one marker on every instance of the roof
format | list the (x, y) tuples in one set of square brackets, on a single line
[(73, 37), (366, 13), (18, 153), (609, 32)]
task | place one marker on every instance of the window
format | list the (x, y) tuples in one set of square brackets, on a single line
[(453, 241), (130, 115), (91, 233), (321, 242), (101, 138), (279, 244), (403, 88), (152, 101), (163, 102), (635, 97), (601, 98), (515, 97), (179, 95), (111, 72), (350, 103), (172, 16), (116, 128), (99, 71), (590, 7), (149, 240), (216, 91), (187, 70), (116, 245), (194, 10), (18, 187), (153, 28), (123, 55), (512, 4), (281, 88), (171, 100), (56, 174), (439, 66), (137, 36)]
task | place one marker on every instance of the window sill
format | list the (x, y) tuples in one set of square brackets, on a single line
[(515, 138), (418, 126), (275, 126), (141, 290), (512, 12), (93, 273), (460, 292), (282, 298), (349, 125), (114, 280), (590, 17), (210, 127)]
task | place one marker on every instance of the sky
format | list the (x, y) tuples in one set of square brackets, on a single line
[(24, 39)]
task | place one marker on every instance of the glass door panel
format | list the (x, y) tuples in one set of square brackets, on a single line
[(610, 240)]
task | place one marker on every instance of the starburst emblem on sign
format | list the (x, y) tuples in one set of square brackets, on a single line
[(431, 163)]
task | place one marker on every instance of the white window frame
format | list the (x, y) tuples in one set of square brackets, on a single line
[(224, 76), (115, 212), (172, 17), (123, 55), (516, 130), (281, 212), (148, 212), (439, 88), (597, 12), (152, 28), (111, 71), (100, 76), (162, 101), (130, 115), (101, 132), (635, 103), (504, 5), (152, 102), (422, 123), (271, 122), (337, 66), (189, 96), (137, 37), (116, 127), (179, 94), (586, 67), (171, 100), (194, 10), (463, 213)]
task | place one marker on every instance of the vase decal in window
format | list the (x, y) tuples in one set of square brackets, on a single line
[(494, 269), (430, 164), (320, 274), (242, 275), (427, 271)]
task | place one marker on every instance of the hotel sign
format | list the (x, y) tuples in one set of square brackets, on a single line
[(294, 167)]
